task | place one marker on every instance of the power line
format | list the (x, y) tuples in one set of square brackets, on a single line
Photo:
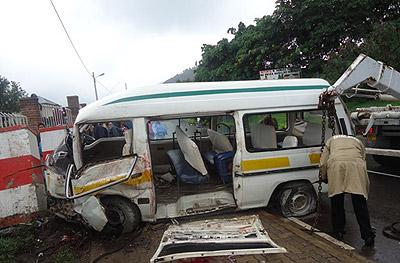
[(70, 40), (101, 84), (114, 87), (76, 51)]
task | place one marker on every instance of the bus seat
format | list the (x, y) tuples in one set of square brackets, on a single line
[(208, 158), (220, 144), (263, 136), (190, 151), (184, 172), (127, 149), (312, 134), (219, 160), (187, 161), (223, 164), (290, 141), (299, 128)]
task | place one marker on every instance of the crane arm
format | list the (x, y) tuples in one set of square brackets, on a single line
[(374, 73)]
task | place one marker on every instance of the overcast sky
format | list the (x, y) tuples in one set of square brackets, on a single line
[(134, 42)]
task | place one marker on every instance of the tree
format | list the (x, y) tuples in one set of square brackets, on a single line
[(382, 44), (217, 62), (241, 58), (10, 93), (313, 29), (299, 34)]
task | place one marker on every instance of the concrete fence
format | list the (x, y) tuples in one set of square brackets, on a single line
[(22, 190), (22, 184), (12, 119)]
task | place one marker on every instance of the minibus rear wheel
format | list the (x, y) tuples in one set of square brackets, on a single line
[(297, 199), (123, 215)]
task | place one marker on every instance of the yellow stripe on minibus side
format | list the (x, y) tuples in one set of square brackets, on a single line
[(145, 177), (278, 162), (314, 158)]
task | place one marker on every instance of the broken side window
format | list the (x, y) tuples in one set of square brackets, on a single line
[(107, 140)]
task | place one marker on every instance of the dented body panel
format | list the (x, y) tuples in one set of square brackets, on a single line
[(196, 204), (219, 237), (92, 211)]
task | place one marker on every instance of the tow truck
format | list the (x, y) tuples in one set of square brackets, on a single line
[(380, 126)]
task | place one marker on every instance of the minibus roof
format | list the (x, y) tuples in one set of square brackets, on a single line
[(201, 97)]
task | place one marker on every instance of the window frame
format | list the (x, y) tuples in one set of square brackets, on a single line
[(192, 136), (300, 112)]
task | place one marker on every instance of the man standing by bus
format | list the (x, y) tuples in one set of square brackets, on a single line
[(159, 130), (344, 168)]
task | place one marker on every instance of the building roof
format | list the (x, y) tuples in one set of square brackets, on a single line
[(42, 100)]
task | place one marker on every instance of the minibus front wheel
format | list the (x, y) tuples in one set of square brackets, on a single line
[(297, 199), (123, 215)]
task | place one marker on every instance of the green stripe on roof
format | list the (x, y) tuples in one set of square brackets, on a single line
[(212, 92)]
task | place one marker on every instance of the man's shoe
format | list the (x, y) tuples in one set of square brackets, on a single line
[(369, 242)]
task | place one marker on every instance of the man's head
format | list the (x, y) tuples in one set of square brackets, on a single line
[(267, 119)]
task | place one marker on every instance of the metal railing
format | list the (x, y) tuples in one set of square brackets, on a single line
[(12, 119), (53, 115)]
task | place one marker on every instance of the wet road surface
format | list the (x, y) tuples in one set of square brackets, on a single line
[(384, 209)]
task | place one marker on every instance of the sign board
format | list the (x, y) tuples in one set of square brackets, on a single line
[(282, 73)]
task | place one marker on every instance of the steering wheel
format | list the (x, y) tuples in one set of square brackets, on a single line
[(223, 124)]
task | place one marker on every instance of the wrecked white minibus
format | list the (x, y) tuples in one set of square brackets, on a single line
[(238, 145)]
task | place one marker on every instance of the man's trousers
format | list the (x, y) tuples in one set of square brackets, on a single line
[(360, 207)]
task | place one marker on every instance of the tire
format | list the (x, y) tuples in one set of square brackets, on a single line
[(123, 215), (297, 199)]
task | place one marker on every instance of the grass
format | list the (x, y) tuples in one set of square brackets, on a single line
[(11, 244), (65, 255), (8, 248), (21, 240)]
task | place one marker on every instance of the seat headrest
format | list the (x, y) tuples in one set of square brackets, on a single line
[(190, 151), (263, 136), (312, 134), (219, 142), (289, 141)]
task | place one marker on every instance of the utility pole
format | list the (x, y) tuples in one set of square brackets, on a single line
[(94, 82), (95, 89)]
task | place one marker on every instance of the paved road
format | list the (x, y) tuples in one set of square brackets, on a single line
[(384, 209), (300, 246)]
